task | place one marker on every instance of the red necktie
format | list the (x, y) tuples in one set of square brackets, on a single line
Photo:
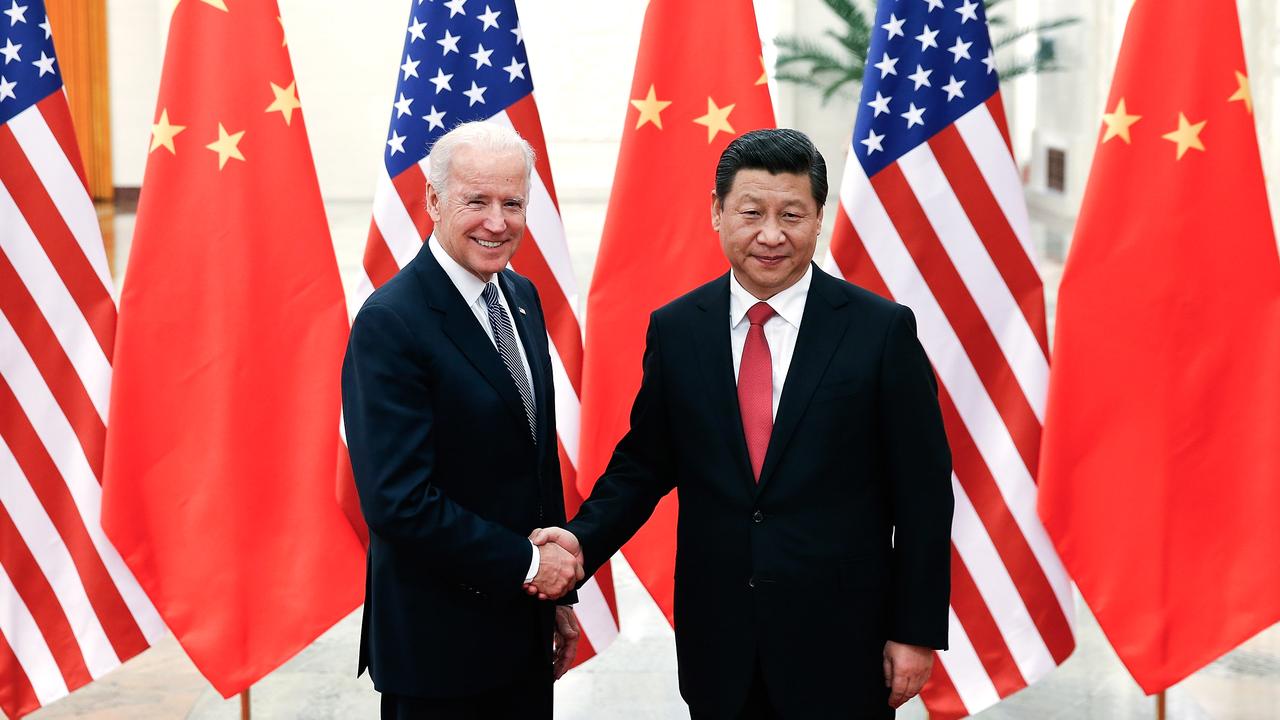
[(755, 387)]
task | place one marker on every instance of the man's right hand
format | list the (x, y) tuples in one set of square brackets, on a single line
[(558, 572), (542, 537)]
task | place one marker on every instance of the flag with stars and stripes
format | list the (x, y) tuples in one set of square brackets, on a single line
[(465, 60), (932, 215), (70, 610)]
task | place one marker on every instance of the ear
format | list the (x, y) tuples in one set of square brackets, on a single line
[(433, 203), (716, 209)]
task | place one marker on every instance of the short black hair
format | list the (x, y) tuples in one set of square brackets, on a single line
[(780, 150)]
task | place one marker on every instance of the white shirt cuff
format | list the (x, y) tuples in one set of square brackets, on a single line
[(533, 564)]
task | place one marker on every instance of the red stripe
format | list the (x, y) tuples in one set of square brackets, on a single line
[(562, 324), (524, 118), (940, 696), (17, 696), (379, 263), (55, 497), (980, 626), (37, 594), (411, 186), (55, 367), (921, 241), (90, 295), (995, 106), (57, 115), (852, 257), (1024, 569), (993, 228)]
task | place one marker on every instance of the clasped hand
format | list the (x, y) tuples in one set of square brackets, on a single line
[(559, 563)]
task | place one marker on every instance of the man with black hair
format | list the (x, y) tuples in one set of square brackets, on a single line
[(798, 416)]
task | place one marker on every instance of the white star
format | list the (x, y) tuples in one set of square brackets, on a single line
[(894, 26), (928, 38), (402, 105), (476, 94), (396, 143), (920, 77), (435, 119), (515, 69), (968, 11), (48, 29), (887, 66), (6, 89), (914, 116), (872, 142), (455, 7), (449, 42), (410, 67), (953, 89), (17, 13), (960, 50), (441, 80), (489, 18), (881, 104), (481, 56), (10, 51), (519, 33), (934, 5), (45, 63), (415, 30), (990, 61)]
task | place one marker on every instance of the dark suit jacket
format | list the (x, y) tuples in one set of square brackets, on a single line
[(845, 541), (450, 483)]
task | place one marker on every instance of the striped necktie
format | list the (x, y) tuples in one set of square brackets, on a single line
[(504, 337)]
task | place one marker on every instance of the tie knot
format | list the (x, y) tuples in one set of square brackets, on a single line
[(490, 294), (760, 313)]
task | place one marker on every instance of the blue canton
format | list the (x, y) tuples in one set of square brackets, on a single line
[(28, 67), (463, 60), (929, 63)]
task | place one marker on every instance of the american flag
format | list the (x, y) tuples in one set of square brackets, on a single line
[(465, 60), (932, 215), (70, 611)]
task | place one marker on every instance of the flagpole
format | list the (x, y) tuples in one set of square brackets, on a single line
[(244, 704), (1160, 705)]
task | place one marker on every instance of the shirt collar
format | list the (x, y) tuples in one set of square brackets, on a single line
[(468, 285), (788, 304)]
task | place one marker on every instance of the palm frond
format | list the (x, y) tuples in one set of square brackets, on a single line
[(835, 87), (1016, 35), (855, 44), (1026, 66), (853, 16)]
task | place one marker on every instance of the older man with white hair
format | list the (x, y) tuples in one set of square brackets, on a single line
[(450, 417)]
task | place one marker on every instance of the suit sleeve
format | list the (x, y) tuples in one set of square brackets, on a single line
[(389, 420), (918, 466), (639, 473)]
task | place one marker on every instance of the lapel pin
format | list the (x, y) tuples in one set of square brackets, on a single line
[(522, 312)]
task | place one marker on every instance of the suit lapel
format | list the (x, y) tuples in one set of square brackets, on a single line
[(715, 356), (821, 330)]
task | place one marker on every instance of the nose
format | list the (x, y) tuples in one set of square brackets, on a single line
[(771, 233), (494, 221)]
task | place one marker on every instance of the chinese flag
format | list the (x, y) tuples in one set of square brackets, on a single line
[(1160, 471), (221, 448), (699, 83)]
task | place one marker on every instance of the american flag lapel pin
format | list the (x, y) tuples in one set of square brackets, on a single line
[(522, 312)]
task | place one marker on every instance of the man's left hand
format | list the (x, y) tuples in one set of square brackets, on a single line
[(906, 668), (565, 642)]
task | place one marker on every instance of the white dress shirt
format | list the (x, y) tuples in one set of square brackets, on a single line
[(471, 289), (780, 330)]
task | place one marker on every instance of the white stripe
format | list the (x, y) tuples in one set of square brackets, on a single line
[(568, 408), (986, 145), (394, 222), (955, 371), (594, 616), (1026, 645), (64, 449), (46, 546), (63, 184), (967, 674), (57, 305), (23, 635), (979, 272)]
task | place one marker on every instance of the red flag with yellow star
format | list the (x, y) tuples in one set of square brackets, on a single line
[(222, 440), (1161, 458), (698, 83)]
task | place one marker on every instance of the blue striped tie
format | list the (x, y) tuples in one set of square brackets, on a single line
[(504, 337)]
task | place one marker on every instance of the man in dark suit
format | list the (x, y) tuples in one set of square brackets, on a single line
[(450, 418), (798, 416)]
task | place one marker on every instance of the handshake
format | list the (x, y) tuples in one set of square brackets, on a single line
[(559, 563)]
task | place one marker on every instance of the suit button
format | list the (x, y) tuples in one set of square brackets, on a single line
[(751, 582), (758, 516)]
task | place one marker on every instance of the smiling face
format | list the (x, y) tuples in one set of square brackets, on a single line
[(480, 217), (768, 227)]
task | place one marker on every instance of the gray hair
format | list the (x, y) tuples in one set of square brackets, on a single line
[(482, 135)]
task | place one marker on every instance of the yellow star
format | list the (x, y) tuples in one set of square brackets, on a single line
[(650, 109), (716, 119), (1243, 92), (220, 4), (226, 146), (764, 73), (1186, 136), (1118, 122), (286, 101), (162, 133)]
